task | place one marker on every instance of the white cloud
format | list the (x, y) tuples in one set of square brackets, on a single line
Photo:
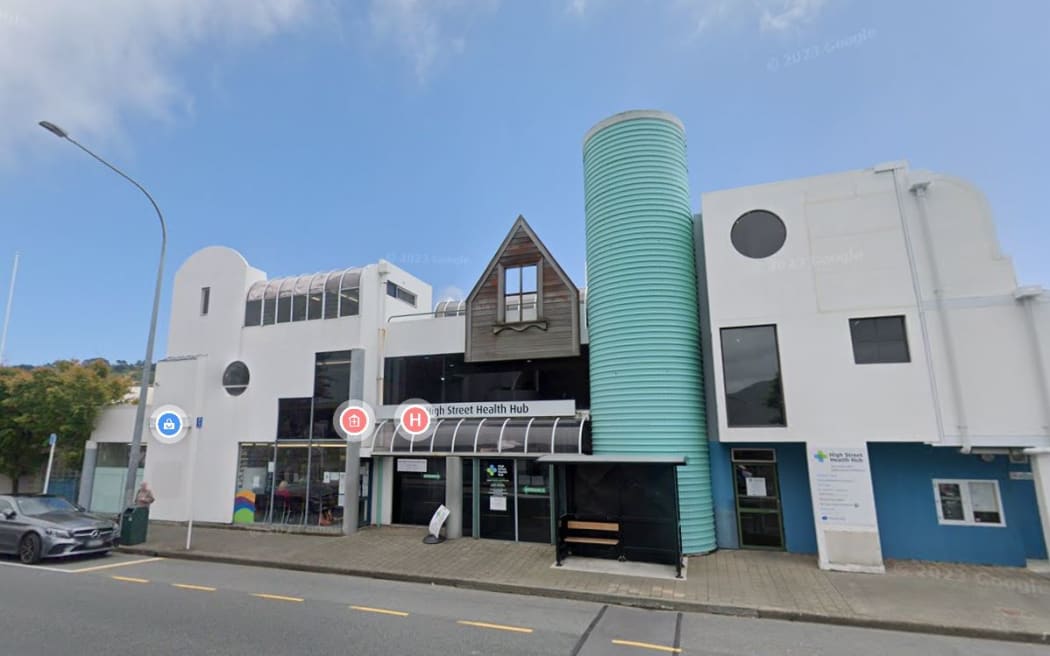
[(89, 65), (426, 31), (450, 293), (577, 7), (792, 14)]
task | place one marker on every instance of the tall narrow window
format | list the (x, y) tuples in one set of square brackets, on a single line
[(205, 298), (253, 307), (751, 369), (284, 301), (520, 296), (349, 293)]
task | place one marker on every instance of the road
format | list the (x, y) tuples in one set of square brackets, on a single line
[(125, 604)]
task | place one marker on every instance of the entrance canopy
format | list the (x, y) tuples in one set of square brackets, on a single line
[(532, 436), (576, 459)]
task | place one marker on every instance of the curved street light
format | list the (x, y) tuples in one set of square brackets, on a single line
[(140, 412)]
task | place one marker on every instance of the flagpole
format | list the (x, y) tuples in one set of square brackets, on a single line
[(7, 312)]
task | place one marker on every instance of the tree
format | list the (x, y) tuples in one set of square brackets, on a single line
[(64, 397)]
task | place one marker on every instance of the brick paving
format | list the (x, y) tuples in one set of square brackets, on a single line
[(939, 597)]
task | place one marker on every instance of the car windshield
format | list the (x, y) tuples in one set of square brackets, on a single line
[(42, 505)]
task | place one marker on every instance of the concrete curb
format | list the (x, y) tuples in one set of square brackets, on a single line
[(1006, 635)]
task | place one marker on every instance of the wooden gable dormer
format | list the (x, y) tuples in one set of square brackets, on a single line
[(524, 305)]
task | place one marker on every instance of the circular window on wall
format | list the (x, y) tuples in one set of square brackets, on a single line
[(235, 378), (758, 234)]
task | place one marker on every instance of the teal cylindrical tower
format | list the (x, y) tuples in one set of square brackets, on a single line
[(646, 375)]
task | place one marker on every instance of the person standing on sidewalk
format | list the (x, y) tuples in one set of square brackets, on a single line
[(144, 497)]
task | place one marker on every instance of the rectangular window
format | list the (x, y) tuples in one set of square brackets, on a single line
[(968, 502), (448, 379), (520, 295), (205, 298), (879, 340), (751, 370), (400, 293)]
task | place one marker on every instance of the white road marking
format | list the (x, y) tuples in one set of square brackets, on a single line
[(112, 565), (39, 568)]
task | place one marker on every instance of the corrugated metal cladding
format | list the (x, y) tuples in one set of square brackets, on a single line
[(646, 375)]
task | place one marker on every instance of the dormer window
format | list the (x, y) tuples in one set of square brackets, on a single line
[(520, 296)]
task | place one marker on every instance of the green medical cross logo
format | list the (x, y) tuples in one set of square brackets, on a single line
[(820, 456)]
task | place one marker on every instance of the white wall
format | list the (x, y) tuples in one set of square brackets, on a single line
[(846, 257), (280, 359)]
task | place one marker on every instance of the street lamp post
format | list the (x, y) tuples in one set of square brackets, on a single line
[(147, 364)]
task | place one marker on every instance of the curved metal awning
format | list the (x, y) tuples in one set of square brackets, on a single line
[(527, 437)]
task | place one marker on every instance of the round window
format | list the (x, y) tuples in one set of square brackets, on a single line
[(235, 378), (758, 234)]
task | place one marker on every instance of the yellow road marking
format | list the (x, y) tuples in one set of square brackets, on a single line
[(112, 565), (187, 586), (128, 579), (500, 627), (647, 645), (275, 597), (384, 611)]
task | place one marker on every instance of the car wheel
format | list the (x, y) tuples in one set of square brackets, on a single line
[(29, 549)]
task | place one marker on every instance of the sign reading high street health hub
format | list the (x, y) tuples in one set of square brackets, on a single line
[(842, 492), (477, 410)]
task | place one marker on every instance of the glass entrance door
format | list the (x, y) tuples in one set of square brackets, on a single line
[(758, 498), (497, 499)]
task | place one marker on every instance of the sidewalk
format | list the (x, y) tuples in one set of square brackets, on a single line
[(961, 600)]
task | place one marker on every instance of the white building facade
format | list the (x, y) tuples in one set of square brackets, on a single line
[(878, 373)]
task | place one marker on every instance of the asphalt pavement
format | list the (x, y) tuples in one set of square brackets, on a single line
[(130, 604)]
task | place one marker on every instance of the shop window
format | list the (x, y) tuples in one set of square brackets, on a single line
[(205, 300), (968, 502), (879, 340), (751, 370), (520, 295), (400, 293), (758, 234), (111, 471)]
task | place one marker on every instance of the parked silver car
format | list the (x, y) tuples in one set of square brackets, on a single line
[(36, 526)]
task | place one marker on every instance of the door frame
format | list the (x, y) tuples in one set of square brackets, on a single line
[(733, 462)]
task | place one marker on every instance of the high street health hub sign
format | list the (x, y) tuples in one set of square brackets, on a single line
[(478, 410)]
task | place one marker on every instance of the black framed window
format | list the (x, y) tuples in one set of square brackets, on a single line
[(758, 234), (400, 293), (751, 370), (293, 419), (235, 378), (205, 300), (879, 340), (448, 379), (331, 389)]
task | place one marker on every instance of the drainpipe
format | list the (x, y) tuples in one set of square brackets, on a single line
[(917, 290), (1026, 297), (382, 271), (919, 189)]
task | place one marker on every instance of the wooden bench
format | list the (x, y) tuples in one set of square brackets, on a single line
[(577, 531)]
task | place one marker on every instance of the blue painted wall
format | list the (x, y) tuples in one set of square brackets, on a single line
[(902, 476), (800, 535)]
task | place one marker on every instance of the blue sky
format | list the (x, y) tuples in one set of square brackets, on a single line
[(316, 135)]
